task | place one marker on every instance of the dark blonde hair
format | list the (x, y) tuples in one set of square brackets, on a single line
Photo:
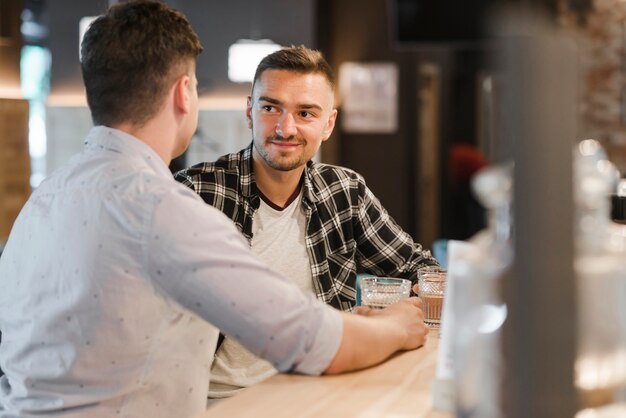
[(299, 59), (131, 56)]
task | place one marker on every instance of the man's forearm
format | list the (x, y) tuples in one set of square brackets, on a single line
[(371, 338), (365, 342)]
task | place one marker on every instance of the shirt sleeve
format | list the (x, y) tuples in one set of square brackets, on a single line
[(197, 257), (384, 248)]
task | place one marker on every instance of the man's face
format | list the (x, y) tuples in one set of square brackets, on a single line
[(290, 115)]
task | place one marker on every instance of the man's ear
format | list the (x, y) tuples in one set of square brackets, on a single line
[(249, 112), (330, 125), (182, 99)]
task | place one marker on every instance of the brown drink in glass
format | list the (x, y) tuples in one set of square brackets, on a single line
[(432, 285)]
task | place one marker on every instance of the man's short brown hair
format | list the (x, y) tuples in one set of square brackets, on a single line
[(131, 56), (299, 59)]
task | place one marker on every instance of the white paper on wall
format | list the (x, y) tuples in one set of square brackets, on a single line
[(369, 94)]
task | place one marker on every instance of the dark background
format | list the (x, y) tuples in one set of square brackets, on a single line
[(448, 34)]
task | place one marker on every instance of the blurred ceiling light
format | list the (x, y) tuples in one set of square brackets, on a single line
[(244, 56)]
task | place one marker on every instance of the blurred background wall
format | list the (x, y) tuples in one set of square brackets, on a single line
[(444, 94)]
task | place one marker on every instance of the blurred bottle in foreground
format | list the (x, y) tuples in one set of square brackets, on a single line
[(600, 266), (478, 309)]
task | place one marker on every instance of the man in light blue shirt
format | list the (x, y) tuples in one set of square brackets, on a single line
[(115, 278)]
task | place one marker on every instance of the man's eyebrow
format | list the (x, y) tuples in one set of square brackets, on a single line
[(300, 106), (310, 106), (269, 99)]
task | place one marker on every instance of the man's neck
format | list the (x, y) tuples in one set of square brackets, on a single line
[(279, 187), (155, 134)]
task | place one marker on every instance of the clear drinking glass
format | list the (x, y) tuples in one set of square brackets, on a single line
[(380, 292), (432, 286)]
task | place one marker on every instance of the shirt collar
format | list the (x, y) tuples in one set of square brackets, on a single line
[(110, 139), (248, 185), (308, 185)]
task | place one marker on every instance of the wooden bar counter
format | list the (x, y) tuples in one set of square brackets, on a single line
[(398, 388)]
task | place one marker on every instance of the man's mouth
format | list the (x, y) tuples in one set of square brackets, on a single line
[(286, 143)]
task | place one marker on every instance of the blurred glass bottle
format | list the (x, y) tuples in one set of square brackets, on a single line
[(600, 367), (477, 308)]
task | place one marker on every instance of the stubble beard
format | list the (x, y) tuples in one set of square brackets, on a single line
[(277, 163)]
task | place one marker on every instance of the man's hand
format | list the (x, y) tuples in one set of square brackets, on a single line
[(373, 335), (406, 314)]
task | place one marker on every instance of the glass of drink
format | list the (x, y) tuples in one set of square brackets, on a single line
[(432, 286), (380, 292)]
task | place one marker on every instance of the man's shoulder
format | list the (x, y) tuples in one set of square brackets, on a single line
[(229, 163), (218, 180), (228, 171), (326, 174)]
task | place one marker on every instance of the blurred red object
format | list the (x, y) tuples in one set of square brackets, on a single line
[(465, 161)]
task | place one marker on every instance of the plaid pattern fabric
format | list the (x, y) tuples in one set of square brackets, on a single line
[(348, 230)]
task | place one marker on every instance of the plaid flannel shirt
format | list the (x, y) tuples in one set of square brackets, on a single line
[(348, 230)]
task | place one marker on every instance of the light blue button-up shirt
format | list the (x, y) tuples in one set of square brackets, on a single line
[(113, 282)]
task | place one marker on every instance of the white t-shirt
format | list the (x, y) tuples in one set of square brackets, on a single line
[(278, 239)]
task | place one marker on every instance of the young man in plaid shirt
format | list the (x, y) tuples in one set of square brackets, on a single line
[(316, 223)]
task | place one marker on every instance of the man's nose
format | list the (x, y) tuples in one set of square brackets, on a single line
[(286, 126)]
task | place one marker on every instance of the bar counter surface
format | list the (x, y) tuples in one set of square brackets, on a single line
[(401, 387)]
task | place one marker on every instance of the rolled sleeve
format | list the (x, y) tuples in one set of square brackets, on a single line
[(326, 342)]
